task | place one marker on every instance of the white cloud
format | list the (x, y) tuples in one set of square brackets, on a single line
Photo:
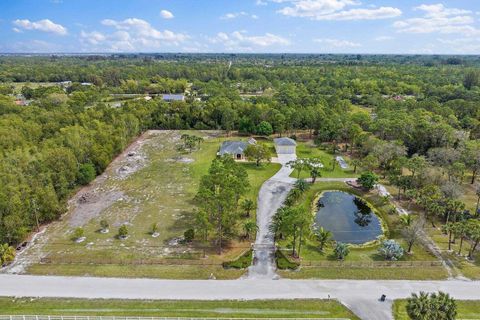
[(44, 25), (131, 34), (462, 45), (384, 38), (335, 10), (93, 38), (165, 14), (337, 43), (239, 40), (439, 19), (234, 15)]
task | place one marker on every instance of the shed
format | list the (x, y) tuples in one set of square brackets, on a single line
[(285, 145)]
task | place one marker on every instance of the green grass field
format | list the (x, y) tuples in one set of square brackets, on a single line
[(257, 309), (309, 150), (162, 192), (466, 310), (359, 264)]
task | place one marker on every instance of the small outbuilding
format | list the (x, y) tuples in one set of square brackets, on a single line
[(285, 145)]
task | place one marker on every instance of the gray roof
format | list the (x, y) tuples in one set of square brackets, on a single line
[(173, 97), (284, 142), (233, 147)]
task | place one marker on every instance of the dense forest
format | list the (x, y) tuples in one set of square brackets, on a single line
[(387, 109)]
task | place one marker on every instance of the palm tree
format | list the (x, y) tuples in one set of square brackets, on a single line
[(249, 227), (315, 173), (356, 163), (322, 236), (474, 235), (247, 206), (461, 230), (444, 306), (419, 307), (477, 192), (448, 229), (301, 185), (7, 254)]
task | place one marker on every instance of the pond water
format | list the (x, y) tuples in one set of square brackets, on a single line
[(347, 217)]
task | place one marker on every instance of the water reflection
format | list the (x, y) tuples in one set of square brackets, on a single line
[(348, 217)]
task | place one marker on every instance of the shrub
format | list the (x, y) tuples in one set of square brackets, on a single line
[(264, 128), (244, 261), (123, 231), (86, 173), (104, 224), (154, 228), (368, 180), (189, 235), (283, 263), (341, 250), (391, 250), (78, 233), (7, 254)]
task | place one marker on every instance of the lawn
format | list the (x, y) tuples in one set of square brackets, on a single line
[(363, 262), (256, 309), (309, 150), (466, 310), (161, 191)]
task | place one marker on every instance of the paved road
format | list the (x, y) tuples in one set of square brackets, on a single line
[(360, 296), (271, 196)]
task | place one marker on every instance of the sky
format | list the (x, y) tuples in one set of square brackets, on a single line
[(251, 26)]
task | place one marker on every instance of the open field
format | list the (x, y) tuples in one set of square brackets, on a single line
[(309, 150), (151, 182), (229, 309), (363, 262), (466, 310)]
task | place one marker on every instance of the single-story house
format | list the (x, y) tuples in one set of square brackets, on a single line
[(285, 145), (173, 97), (235, 148)]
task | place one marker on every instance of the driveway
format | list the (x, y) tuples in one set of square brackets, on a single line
[(270, 198)]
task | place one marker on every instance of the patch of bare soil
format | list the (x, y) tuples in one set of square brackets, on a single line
[(90, 204)]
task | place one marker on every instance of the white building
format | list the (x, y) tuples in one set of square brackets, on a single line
[(285, 145)]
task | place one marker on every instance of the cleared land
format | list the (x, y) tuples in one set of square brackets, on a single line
[(151, 182), (466, 310), (227, 309), (364, 262)]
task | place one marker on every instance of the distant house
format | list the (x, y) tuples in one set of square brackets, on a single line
[(235, 148), (86, 84), (285, 145), (173, 97)]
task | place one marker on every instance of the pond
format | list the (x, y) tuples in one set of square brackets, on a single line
[(347, 217)]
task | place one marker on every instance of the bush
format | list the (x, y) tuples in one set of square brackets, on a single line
[(264, 128), (78, 233), (368, 180), (104, 224), (341, 250), (283, 263), (391, 250), (123, 231), (189, 235), (244, 261), (86, 173)]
